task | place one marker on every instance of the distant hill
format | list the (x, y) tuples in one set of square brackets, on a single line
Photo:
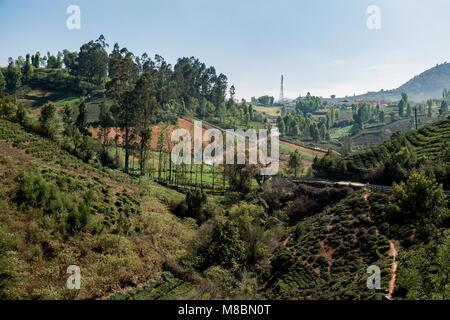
[(428, 84)]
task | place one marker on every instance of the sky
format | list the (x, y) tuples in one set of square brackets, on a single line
[(320, 46)]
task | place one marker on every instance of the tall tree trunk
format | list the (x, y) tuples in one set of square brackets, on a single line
[(160, 165), (141, 163), (153, 162), (127, 149), (165, 169), (184, 176), (213, 185), (117, 152), (190, 171), (201, 177), (170, 167), (105, 139), (223, 176), (196, 174)]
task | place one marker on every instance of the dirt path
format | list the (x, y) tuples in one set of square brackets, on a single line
[(366, 194), (393, 253)]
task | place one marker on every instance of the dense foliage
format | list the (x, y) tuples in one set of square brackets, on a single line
[(393, 160), (225, 232)]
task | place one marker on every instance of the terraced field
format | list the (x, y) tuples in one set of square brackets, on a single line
[(426, 141), (328, 253)]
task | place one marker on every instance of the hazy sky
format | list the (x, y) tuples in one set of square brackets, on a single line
[(323, 46)]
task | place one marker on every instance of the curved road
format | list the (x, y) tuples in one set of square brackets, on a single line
[(374, 187)]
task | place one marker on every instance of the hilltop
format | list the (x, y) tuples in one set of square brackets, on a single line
[(427, 85)]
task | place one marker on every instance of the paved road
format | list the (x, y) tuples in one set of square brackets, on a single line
[(375, 187)]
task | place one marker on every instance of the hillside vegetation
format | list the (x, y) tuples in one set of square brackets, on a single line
[(142, 227), (392, 160), (279, 240), (57, 211), (427, 85)]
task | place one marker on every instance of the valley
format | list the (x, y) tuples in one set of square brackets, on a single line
[(89, 180)]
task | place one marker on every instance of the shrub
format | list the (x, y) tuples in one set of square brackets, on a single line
[(35, 192), (49, 121), (283, 260), (223, 247), (195, 201), (420, 202)]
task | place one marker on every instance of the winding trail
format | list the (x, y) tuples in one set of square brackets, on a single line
[(393, 253)]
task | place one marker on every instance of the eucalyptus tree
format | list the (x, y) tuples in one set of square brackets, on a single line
[(403, 104), (13, 77), (105, 122), (430, 108), (92, 61), (49, 121), (444, 108), (81, 121), (295, 162), (161, 143), (120, 88), (70, 61), (67, 114), (27, 70), (36, 60), (2, 83), (144, 99)]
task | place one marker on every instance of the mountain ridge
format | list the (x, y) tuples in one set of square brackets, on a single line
[(426, 85)]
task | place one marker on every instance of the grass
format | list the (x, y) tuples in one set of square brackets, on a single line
[(305, 155), (270, 111), (341, 132), (69, 99), (152, 170)]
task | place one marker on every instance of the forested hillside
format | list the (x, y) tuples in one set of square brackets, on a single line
[(427, 85)]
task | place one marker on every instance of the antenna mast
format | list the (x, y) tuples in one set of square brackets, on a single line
[(282, 90)]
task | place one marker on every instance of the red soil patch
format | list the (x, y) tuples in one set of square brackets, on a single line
[(188, 125), (185, 124)]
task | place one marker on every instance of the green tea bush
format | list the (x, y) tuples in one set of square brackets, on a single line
[(35, 193)]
